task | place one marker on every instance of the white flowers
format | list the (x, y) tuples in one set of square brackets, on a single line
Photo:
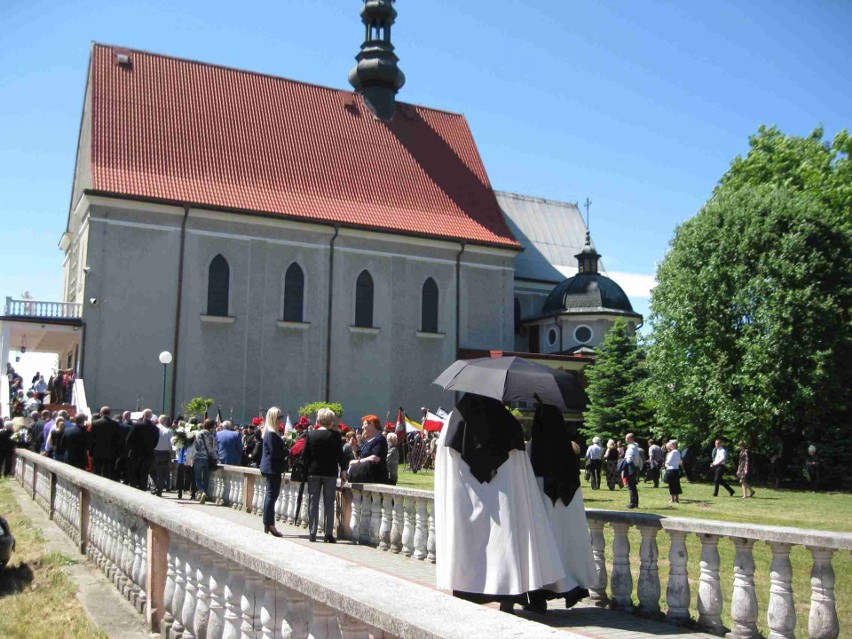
[(183, 435)]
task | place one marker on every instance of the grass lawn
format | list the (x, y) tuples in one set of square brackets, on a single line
[(37, 598), (825, 511)]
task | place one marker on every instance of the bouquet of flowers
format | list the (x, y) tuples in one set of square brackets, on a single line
[(257, 421), (20, 437), (184, 435), (303, 424)]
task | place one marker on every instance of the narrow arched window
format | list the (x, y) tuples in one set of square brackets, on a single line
[(218, 285), (429, 307), (364, 300), (294, 293)]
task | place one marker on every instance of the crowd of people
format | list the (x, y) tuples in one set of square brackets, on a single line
[(625, 465), (23, 398)]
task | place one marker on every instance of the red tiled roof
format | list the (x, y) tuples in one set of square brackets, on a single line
[(176, 130)]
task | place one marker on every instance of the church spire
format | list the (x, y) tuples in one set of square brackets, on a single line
[(587, 259), (376, 76)]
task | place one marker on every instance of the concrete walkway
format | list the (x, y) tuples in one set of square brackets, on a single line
[(586, 620)]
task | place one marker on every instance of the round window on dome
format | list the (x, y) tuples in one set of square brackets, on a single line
[(551, 337), (583, 334)]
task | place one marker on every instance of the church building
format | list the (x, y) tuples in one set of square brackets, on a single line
[(288, 243)]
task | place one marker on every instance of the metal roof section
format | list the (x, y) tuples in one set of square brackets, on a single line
[(551, 232)]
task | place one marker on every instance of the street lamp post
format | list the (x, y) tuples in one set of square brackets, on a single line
[(165, 360)]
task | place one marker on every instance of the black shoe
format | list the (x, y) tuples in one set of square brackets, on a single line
[(632, 506), (751, 494), (537, 605), (272, 530), (312, 538), (330, 540), (507, 606)]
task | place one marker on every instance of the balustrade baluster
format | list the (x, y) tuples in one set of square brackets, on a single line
[(621, 581), (375, 521), (366, 516), (710, 586), (648, 589), (291, 509), (202, 595), (822, 620), (142, 544), (384, 528), (280, 503), (420, 532), (295, 623), (136, 566), (187, 614), (351, 628), (408, 527), (322, 620), (355, 520), (178, 548), (744, 599), (781, 612), (303, 515), (597, 592), (677, 590), (247, 600), (267, 610), (168, 593), (234, 586), (430, 539), (397, 525)]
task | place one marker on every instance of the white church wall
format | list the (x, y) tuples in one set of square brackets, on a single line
[(250, 361), (127, 301)]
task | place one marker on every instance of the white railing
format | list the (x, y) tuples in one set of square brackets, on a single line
[(400, 520), (34, 308), (195, 577)]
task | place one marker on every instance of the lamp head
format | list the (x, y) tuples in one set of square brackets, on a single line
[(165, 358)]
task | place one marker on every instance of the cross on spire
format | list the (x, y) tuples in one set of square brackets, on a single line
[(587, 204)]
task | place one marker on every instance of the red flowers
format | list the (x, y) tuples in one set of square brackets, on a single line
[(257, 421)]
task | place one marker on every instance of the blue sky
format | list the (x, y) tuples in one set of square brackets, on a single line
[(639, 106)]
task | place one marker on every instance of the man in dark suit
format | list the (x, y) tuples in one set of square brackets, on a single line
[(106, 444), (36, 429), (124, 427), (141, 442), (74, 443)]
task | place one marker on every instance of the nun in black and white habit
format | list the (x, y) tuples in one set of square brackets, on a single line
[(498, 537)]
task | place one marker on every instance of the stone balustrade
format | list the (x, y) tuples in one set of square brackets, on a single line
[(195, 578), (400, 520)]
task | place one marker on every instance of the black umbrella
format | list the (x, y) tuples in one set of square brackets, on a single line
[(513, 379)]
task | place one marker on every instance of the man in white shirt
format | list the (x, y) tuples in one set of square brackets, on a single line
[(594, 461), (630, 469), (718, 459), (162, 456)]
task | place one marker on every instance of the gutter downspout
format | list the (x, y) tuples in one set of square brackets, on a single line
[(178, 305), (458, 297), (328, 318)]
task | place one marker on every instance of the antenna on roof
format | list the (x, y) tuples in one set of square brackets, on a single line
[(587, 204)]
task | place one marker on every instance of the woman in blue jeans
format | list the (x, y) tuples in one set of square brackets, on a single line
[(272, 460), (205, 449)]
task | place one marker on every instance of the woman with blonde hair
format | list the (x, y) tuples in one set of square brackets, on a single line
[(610, 458), (674, 467), (272, 461)]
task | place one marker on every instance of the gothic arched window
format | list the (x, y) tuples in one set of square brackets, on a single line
[(364, 300), (429, 307), (218, 287), (294, 293)]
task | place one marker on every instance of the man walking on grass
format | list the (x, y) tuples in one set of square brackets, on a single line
[(718, 459)]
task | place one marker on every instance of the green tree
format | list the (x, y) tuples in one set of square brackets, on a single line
[(196, 407), (616, 388), (750, 316), (312, 408)]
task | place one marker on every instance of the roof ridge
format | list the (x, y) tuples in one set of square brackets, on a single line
[(259, 73), (536, 198)]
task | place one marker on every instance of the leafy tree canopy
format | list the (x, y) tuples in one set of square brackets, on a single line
[(196, 407), (751, 327), (313, 407)]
